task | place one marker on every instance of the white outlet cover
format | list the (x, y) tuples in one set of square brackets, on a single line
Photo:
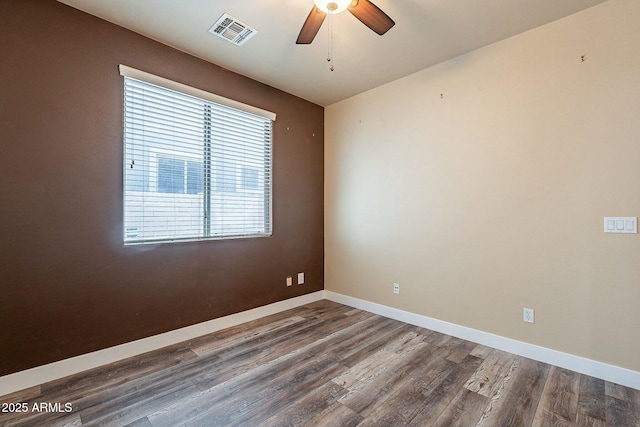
[(300, 278), (396, 288), (528, 315)]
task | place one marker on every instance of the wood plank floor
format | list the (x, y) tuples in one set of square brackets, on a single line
[(325, 364)]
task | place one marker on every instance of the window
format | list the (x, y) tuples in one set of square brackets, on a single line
[(194, 168), (249, 178), (179, 176), (170, 176)]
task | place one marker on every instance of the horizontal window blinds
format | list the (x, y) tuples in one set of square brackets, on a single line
[(193, 169), (199, 93)]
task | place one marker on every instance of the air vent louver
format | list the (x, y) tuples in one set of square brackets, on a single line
[(232, 30)]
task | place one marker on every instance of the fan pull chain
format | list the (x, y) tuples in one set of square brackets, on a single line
[(330, 42)]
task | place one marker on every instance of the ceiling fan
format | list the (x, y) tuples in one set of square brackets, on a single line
[(368, 13)]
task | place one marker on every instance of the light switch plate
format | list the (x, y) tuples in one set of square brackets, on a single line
[(621, 224)]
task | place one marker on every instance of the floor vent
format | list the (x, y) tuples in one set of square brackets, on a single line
[(232, 30)]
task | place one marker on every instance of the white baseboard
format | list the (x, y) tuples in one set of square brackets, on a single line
[(53, 371), (579, 364)]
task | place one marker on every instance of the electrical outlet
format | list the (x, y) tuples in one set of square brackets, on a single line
[(396, 288), (289, 281), (300, 278), (527, 315)]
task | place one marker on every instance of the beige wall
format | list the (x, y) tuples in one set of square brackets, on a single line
[(480, 185)]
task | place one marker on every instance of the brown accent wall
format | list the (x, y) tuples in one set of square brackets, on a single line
[(67, 284)]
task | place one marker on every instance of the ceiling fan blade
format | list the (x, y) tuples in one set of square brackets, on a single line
[(371, 16), (311, 26)]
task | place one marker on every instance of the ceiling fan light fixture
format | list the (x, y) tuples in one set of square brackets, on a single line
[(332, 6)]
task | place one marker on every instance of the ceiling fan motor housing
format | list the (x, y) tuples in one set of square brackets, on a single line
[(333, 6)]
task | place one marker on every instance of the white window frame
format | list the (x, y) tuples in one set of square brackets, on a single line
[(131, 230)]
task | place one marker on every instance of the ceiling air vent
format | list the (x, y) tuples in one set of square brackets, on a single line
[(232, 30)]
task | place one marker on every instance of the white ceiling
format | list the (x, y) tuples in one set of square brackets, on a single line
[(426, 33)]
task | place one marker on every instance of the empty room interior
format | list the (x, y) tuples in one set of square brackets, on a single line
[(417, 212)]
